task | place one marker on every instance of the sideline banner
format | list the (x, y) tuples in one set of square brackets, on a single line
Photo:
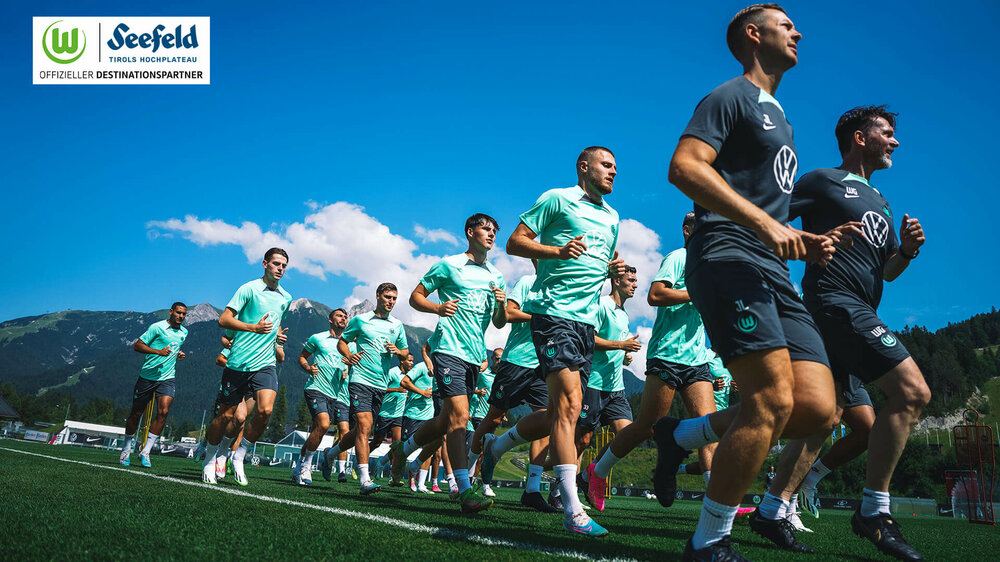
[(121, 50)]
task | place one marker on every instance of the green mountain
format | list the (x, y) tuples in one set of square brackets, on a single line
[(88, 354)]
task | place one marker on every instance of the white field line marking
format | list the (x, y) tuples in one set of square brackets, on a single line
[(439, 532)]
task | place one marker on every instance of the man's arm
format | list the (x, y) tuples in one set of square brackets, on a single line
[(662, 294), (692, 172)]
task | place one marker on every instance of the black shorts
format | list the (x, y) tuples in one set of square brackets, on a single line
[(410, 426), (384, 424), (320, 403), (748, 308), (364, 398), (454, 376), (858, 342), (601, 407), (855, 393), (236, 385), (562, 344), (515, 385), (144, 389), (342, 413), (676, 375)]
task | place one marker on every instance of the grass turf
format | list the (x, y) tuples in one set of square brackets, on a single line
[(58, 510)]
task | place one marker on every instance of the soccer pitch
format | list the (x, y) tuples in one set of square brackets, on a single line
[(63, 502)]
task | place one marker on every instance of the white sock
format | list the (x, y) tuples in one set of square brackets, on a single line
[(506, 442), (341, 467), (874, 503), (604, 465), (473, 459), (567, 487), (421, 479), (306, 459), (363, 473), (240, 452), (461, 477), (771, 507), (816, 473), (682, 469), (694, 432), (129, 443), (716, 522), (150, 441), (452, 485), (534, 483), (410, 446), (706, 475)]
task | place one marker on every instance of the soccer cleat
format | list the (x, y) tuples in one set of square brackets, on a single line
[(341, 477), (472, 502), (778, 531), (535, 501), (435, 488), (220, 467), (554, 499), (797, 523), (488, 492), (489, 461), (809, 502), (596, 487), (238, 474), (721, 551), (398, 459), (581, 524), (208, 474), (144, 460), (326, 467), (669, 456), (883, 531), (369, 488), (125, 459)]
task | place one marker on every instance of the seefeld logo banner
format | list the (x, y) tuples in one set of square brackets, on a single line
[(121, 50)]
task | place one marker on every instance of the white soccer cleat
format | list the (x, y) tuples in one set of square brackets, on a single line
[(208, 474), (488, 492), (238, 474), (797, 523)]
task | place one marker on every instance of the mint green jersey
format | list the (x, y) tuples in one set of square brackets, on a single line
[(570, 289), (326, 356), (480, 404), (519, 349), (612, 324), (418, 407), (458, 277), (719, 371), (160, 335), (371, 333), (394, 403), (678, 333), (253, 301)]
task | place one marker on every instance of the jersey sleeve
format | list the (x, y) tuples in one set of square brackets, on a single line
[(436, 276), (714, 118), (542, 212), (240, 299), (150, 335), (671, 269), (804, 196), (352, 330)]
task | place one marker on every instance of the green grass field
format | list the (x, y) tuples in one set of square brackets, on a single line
[(92, 508)]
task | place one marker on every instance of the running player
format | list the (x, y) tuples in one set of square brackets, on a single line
[(254, 314), (844, 297), (578, 233), (736, 159), (677, 360), (320, 393), (161, 343), (472, 294), (378, 336)]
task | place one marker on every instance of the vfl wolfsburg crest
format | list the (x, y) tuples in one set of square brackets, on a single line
[(889, 340)]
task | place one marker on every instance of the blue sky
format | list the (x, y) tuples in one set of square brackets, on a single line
[(422, 113)]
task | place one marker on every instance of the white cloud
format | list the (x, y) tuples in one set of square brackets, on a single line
[(341, 239), (434, 235)]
